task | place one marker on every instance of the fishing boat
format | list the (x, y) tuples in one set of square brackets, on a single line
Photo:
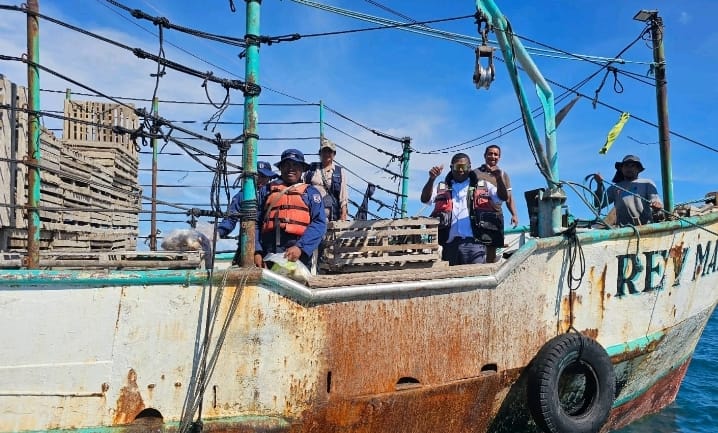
[(579, 329)]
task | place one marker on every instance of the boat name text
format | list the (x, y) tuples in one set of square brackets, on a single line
[(649, 267)]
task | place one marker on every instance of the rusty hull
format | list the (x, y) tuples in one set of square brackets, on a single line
[(416, 354), (660, 395)]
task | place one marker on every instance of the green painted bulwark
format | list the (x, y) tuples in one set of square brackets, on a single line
[(19, 278)]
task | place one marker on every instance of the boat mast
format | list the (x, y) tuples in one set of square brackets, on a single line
[(248, 210), (33, 135), (513, 50), (664, 138)]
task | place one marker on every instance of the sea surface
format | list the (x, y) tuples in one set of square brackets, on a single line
[(696, 407)]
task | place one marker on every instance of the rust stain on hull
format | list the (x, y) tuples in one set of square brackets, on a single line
[(653, 400), (129, 402), (635, 353), (464, 406)]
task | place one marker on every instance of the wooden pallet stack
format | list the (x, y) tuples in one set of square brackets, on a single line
[(115, 152), (85, 205), (363, 246)]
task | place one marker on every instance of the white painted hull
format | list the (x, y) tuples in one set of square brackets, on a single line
[(89, 349)]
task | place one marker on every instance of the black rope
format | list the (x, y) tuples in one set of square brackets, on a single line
[(393, 174), (220, 180), (575, 252), (208, 76), (164, 22), (170, 101), (384, 27), (221, 108), (617, 86)]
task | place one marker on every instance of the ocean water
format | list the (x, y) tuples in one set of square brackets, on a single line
[(696, 407)]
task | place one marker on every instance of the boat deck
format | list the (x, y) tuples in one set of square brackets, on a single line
[(401, 275)]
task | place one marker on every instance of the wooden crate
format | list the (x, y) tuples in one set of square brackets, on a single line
[(114, 152), (363, 246), (76, 179)]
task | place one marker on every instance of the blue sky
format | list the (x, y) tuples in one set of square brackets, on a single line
[(397, 82)]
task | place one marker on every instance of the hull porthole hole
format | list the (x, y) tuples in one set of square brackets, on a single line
[(489, 368), (407, 382), (148, 421)]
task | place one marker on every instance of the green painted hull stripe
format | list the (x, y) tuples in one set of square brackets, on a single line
[(638, 344), (93, 279)]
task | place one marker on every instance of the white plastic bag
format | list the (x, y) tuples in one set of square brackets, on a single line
[(189, 240), (186, 240), (297, 271)]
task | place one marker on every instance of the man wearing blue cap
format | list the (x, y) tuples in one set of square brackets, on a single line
[(264, 175), (290, 218)]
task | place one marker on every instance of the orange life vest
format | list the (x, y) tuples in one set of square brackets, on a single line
[(284, 206)]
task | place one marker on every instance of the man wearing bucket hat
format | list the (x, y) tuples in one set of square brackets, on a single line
[(227, 225), (331, 181), (634, 198), (290, 217)]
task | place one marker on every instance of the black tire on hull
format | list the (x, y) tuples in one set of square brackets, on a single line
[(571, 385)]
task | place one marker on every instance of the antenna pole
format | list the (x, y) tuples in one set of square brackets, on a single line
[(664, 137)]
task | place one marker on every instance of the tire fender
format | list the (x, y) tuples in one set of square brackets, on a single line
[(571, 385)]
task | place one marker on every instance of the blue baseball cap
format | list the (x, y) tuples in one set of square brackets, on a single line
[(293, 155), (265, 169)]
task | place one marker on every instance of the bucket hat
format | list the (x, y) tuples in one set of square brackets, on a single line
[(293, 155), (630, 158)]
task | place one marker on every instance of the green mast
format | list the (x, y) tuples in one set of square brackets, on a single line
[(33, 135), (515, 53), (247, 234)]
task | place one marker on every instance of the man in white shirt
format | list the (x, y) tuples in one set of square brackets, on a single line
[(455, 207)]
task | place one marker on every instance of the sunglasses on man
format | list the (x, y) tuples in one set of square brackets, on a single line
[(460, 167)]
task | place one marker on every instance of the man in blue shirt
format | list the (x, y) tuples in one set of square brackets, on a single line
[(290, 217), (264, 175)]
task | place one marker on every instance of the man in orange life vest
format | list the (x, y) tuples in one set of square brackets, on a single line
[(291, 218), (457, 205)]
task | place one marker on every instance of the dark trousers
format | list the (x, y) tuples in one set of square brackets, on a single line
[(464, 251)]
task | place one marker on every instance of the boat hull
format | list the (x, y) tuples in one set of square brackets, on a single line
[(404, 353)]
